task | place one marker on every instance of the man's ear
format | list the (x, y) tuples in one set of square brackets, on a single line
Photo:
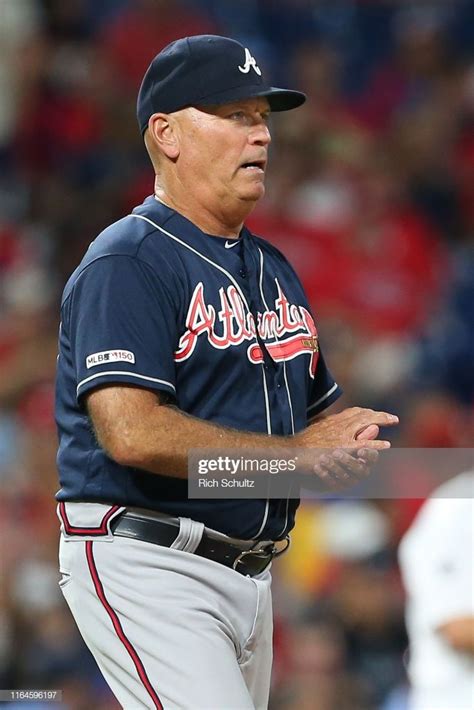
[(163, 130)]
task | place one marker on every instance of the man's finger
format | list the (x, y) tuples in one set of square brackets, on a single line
[(332, 484), (376, 444), (367, 455), (370, 418), (358, 468), (386, 419), (370, 432), (335, 470), (349, 462)]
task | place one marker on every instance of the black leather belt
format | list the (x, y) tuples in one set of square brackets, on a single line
[(247, 562)]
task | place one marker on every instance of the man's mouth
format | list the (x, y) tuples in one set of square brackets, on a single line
[(255, 165)]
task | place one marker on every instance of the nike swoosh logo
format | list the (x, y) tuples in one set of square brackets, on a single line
[(229, 245)]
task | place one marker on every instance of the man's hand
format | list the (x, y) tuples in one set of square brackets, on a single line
[(346, 465), (341, 469), (343, 430)]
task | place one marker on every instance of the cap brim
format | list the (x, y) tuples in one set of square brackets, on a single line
[(284, 99), (279, 99)]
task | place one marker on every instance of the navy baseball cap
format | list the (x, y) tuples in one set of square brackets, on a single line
[(204, 70)]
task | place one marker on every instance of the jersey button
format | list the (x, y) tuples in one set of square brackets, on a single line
[(243, 273)]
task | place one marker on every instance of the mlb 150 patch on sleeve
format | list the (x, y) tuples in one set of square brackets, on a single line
[(109, 356)]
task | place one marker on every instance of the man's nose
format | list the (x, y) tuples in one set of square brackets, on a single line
[(260, 135)]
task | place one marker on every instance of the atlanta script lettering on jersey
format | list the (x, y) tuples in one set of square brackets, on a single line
[(287, 331)]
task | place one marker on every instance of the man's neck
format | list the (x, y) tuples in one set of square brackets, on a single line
[(207, 222)]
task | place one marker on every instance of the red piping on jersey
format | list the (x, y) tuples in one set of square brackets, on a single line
[(72, 530), (118, 627)]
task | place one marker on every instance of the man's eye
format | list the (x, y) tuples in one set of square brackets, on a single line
[(237, 114)]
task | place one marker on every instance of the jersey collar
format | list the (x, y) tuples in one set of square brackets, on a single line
[(180, 226)]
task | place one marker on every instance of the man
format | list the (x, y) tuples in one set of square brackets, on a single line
[(180, 329), (436, 559)]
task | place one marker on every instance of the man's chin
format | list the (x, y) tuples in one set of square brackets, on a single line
[(253, 194)]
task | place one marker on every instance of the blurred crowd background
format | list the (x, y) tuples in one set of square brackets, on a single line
[(370, 195)]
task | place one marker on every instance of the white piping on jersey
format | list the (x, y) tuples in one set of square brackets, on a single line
[(265, 518), (284, 374), (231, 278), (124, 372), (269, 430), (325, 396), (195, 251), (277, 339), (267, 403)]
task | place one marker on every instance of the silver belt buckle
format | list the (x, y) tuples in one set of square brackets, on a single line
[(263, 551)]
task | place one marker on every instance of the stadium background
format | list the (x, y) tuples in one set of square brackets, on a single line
[(371, 197)]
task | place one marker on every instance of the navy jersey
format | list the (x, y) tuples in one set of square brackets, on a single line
[(222, 326)]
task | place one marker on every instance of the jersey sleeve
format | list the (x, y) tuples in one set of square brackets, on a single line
[(122, 322), (324, 390)]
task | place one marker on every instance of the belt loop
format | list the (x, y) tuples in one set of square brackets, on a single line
[(189, 536), (195, 536)]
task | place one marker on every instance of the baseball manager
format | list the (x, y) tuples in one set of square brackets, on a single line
[(181, 329)]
